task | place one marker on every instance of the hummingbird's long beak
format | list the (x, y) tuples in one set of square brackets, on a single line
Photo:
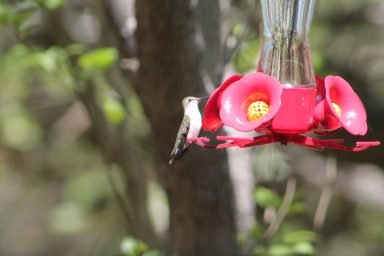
[(203, 98)]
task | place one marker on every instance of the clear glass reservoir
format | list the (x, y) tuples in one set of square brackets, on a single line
[(285, 53)]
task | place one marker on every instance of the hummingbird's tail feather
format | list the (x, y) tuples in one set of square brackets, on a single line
[(178, 154)]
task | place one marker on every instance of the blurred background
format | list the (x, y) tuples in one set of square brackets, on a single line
[(79, 147)]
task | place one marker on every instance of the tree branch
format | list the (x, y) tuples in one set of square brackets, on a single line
[(282, 212), (326, 194)]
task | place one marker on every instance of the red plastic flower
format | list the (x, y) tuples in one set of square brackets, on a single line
[(233, 101), (338, 105), (211, 119)]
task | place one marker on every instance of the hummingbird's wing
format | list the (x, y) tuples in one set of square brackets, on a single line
[(180, 146)]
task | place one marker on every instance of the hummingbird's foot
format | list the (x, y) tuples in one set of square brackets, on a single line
[(201, 141), (191, 140)]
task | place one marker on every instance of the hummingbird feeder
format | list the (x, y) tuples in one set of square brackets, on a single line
[(284, 99)]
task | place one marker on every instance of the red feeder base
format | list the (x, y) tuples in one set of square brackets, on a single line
[(300, 140)]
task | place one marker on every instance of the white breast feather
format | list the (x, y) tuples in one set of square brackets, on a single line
[(194, 114)]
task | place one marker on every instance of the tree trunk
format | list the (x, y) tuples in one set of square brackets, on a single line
[(170, 51)]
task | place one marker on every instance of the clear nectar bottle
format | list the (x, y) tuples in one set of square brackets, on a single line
[(286, 53)]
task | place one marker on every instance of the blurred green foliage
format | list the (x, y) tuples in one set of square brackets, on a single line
[(102, 58), (133, 247), (114, 111), (54, 190), (45, 140), (266, 197), (290, 238), (50, 4)]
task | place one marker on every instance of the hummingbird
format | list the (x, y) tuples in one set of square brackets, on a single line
[(189, 128)]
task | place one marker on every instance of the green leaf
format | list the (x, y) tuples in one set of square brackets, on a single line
[(257, 231), (101, 58), (280, 250), (299, 236), (45, 60), (238, 29), (53, 4), (23, 12), (50, 4), (259, 250), (297, 208), (265, 197), (6, 14), (304, 248), (133, 247), (114, 111)]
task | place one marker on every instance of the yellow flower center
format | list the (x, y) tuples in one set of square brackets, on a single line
[(337, 109), (257, 110)]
